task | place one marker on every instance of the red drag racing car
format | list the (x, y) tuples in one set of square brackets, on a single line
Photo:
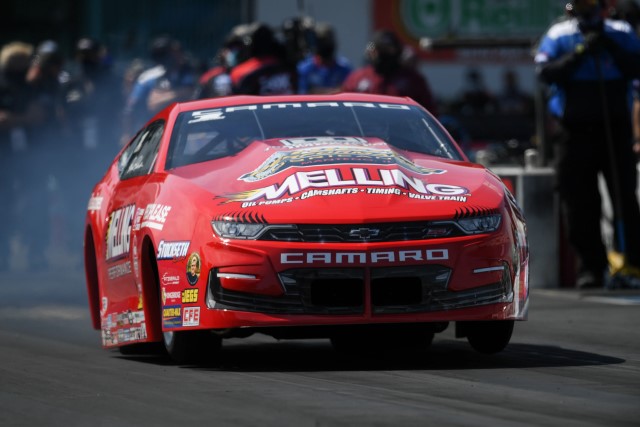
[(351, 217)]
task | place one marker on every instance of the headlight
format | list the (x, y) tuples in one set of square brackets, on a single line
[(237, 230), (248, 231), (480, 224)]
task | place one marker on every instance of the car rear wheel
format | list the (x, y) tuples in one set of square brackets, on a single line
[(487, 337), (192, 346)]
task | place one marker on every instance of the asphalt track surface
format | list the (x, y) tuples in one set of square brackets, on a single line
[(575, 362)]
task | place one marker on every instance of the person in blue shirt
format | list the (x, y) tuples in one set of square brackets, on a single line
[(170, 79), (629, 10), (324, 71), (588, 62)]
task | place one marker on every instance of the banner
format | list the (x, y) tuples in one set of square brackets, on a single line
[(469, 30)]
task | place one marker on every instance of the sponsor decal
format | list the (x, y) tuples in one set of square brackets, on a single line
[(110, 320), (104, 306), (170, 278), (171, 297), (138, 316), (137, 164), (351, 191), (127, 326), (124, 335), (191, 316), (136, 259), (119, 270), (172, 316), (205, 116), (322, 140), (332, 192), (190, 296), (193, 268), (119, 232), (219, 113), (95, 203), (108, 338), (137, 219), (293, 186), (306, 157), (155, 215), (440, 197), (364, 257), (176, 251)]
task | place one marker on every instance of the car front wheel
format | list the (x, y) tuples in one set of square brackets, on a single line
[(192, 346), (487, 337)]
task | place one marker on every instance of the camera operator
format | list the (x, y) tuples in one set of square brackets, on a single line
[(589, 63)]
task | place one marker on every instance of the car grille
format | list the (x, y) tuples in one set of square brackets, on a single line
[(347, 233), (307, 291), (412, 289)]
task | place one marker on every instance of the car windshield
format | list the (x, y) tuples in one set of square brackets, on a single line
[(204, 135)]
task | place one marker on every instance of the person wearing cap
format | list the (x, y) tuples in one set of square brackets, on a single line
[(94, 100), (46, 79), (46, 76), (15, 95), (35, 171), (93, 104), (588, 63), (262, 69), (170, 79), (385, 73), (629, 10), (216, 81), (16, 115), (324, 71)]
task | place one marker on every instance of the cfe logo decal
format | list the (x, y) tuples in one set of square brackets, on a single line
[(191, 316)]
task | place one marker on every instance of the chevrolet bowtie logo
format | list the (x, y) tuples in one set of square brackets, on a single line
[(364, 233)]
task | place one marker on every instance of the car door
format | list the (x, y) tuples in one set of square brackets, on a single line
[(121, 290)]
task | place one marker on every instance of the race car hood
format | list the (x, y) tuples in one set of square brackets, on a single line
[(364, 181)]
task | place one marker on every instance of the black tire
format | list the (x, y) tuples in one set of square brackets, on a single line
[(488, 337), (196, 346), (199, 346)]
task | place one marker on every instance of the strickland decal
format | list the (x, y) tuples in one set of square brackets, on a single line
[(335, 180)]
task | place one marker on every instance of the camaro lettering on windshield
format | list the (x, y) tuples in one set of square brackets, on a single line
[(364, 257)]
